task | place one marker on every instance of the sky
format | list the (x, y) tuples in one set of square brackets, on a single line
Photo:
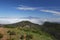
[(36, 11)]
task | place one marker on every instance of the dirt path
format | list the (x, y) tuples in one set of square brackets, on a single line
[(4, 32)]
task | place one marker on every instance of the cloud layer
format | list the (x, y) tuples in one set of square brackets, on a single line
[(33, 20)]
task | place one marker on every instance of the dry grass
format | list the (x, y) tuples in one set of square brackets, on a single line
[(4, 32)]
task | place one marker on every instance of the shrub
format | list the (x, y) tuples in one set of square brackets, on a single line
[(11, 32), (9, 26), (22, 37), (1, 35), (28, 37)]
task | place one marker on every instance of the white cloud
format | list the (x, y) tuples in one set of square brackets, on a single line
[(43, 9), (54, 20), (51, 11), (8, 21), (22, 7)]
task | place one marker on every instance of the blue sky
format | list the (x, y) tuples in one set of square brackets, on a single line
[(41, 9)]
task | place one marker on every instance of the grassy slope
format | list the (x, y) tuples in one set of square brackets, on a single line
[(23, 31)]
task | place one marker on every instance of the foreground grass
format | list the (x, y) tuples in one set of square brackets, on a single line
[(37, 35)]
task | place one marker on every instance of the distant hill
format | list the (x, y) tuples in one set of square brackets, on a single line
[(52, 28), (24, 24)]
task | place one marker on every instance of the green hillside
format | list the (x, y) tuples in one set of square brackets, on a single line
[(52, 28), (26, 30)]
